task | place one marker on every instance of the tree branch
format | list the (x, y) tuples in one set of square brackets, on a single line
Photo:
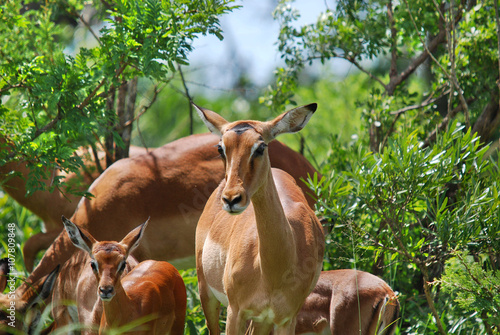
[(98, 87), (86, 24), (425, 103), (191, 121), (371, 75), (489, 120), (145, 108), (49, 125), (432, 137)]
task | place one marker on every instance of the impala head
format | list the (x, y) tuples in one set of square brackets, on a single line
[(20, 313), (243, 147), (108, 259)]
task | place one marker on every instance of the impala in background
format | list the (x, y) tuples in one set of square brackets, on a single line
[(349, 302)]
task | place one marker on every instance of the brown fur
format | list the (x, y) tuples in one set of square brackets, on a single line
[(332, 307), (152, 289)]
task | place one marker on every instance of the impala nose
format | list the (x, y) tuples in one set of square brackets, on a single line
[(106, 292), (233, 201), (231, 204)]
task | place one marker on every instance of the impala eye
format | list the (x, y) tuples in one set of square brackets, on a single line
[(220, 150), (93, 265), (260, 150)]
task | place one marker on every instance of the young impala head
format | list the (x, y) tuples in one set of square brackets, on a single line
[(108, 259), (243, 147)]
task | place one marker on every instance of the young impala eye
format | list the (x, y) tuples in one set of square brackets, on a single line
[(121, 267)]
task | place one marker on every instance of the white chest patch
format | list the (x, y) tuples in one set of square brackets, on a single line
[(214, 261)]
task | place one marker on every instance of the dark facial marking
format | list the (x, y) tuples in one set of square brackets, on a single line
[(240, 128)]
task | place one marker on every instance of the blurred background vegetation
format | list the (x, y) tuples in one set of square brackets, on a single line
[(406, 140)]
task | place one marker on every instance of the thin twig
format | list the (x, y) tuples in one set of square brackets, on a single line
[(425, 103), (98, 87), (191, 120), (432, 136), (90, 29), (422, 40), (371, 75), (145, 108), (97, 161), (452, 77), (389, 132), (9, 87), (49, 125)]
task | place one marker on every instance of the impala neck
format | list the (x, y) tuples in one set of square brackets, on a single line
[(276, 243), (119, 310), (58, 253)]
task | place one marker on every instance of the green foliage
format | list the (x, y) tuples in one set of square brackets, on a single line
[(53, 102), (410, 207), (472, 287)]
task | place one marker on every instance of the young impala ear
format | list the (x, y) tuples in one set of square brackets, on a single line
[(291, 121), (212, 120), (80, 239), (131, 241)]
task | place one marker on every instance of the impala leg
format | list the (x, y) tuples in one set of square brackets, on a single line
[(211, 308), (236, 322), (260, 328)]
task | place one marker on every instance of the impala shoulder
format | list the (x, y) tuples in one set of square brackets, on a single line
[(287, 185)]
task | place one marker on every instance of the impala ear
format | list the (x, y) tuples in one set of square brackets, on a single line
[(44, 291), (80, 239), (131, 241), (4, 273), (212, 120), (291, 121)]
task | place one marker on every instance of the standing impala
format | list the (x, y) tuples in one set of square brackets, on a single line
[(153, 289), (349, 302), (259, 246)]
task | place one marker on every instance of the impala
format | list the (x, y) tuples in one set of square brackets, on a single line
[(74, 297), (153, 289), (171, 184), (349, 302), (259, 246), (49, 206), (14, 316)]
